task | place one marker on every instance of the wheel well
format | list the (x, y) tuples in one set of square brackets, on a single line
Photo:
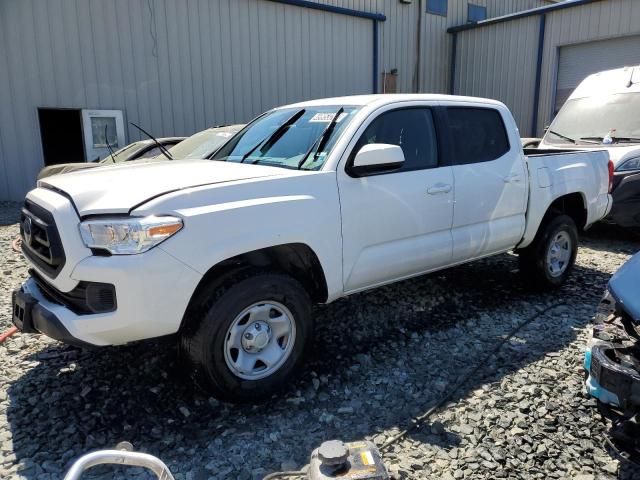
[(572, 205), (294, 259)]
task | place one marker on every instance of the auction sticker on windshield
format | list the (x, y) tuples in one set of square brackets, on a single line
[(326, 117)]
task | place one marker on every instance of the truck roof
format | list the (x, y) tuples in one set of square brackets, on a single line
[(385, 99)]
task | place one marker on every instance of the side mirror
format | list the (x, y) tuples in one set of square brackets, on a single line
[(376, 158)]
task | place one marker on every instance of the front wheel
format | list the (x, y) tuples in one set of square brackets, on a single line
[(249, 337), (548, 261)]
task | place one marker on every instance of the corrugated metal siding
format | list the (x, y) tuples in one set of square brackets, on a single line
[(577, 62), (174, 67), (437, 49), (177, 67), (596, 21), (585, 23), (482, 55)]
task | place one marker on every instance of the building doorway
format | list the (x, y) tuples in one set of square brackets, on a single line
[(61, 134)]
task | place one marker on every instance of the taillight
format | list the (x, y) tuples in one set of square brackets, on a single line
[(610, 175)]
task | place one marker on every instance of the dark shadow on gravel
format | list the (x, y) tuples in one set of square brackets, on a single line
[(370, 369)]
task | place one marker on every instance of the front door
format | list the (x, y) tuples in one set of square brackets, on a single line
[(398, 223), (490, 183), (101, 127)]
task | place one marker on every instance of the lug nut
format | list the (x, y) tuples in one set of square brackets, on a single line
[(248, 336), (256, 326)]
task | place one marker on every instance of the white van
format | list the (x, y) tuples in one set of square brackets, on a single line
[(604, 112)]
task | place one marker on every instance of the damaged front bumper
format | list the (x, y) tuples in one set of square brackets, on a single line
[(612, 363), (612, 359)]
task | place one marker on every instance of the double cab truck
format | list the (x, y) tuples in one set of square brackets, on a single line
[(307, 204)]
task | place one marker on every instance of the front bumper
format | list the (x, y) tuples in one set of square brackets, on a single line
[(153, 291), (612, 359), (30, 316), (626, 200)]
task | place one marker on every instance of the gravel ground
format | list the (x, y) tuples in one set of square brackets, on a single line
[(379, 358)]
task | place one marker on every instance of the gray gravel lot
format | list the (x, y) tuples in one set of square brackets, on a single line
[(379, 358)]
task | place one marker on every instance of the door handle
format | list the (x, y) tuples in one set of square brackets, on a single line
[(514, 177), (439, 188)]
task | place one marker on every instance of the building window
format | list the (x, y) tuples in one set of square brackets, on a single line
[(476, 13), (437, 7)]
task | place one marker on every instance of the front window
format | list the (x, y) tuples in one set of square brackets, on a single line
[(595, 120), (124, 153), (202, 144), (297, 138)]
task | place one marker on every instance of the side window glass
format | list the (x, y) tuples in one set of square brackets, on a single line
[(154, 152), (412, 129), (477, 134)]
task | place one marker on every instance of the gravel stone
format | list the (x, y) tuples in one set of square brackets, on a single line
[(523, 416)]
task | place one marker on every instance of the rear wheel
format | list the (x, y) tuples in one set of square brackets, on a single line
[(548, 261), (247, 339)]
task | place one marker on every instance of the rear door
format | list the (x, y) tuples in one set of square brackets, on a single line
[(490, 181), (397, 223)]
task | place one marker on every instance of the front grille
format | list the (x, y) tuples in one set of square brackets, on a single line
[(40, 239), (86, 298)]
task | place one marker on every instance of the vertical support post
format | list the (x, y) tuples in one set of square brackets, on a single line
[(452, 67), (376, 53), (536, 94)]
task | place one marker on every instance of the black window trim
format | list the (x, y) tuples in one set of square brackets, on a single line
[(452, 161), (440, 144), (437, 12)]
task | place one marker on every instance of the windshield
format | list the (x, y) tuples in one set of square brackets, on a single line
[(124, 153), (289, 138), (203, 144), (590, 120)]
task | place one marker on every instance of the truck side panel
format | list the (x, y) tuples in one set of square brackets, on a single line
[(555, 175)]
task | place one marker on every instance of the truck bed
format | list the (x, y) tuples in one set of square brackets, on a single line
[(556, 173)]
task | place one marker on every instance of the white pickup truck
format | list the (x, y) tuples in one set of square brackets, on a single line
[(308, 203)]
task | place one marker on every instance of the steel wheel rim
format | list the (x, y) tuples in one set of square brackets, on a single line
[(259, 340), (559, 254)]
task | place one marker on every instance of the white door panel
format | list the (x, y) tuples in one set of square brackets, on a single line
[(490, 203), (392, 226), (491, 183), (485, 238)]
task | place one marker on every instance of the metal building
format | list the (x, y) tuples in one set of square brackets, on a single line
[(70, 68), (532, 60)]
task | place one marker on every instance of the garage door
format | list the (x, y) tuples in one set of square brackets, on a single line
[(579, 61)]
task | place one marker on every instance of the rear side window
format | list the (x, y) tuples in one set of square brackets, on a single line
[(412, 129), (477, 134)]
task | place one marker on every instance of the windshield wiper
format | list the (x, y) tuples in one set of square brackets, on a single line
[(106, 139), (163, 150), (564, 137), (322, 140), (270, 140)]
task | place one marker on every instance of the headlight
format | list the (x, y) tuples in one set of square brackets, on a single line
[(126, 236), (628, 165)]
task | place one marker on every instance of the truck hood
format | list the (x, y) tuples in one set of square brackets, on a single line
[(120, 188), (624, 287)]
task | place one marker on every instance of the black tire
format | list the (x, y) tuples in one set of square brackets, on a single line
[(202, 344), (533, 259)]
